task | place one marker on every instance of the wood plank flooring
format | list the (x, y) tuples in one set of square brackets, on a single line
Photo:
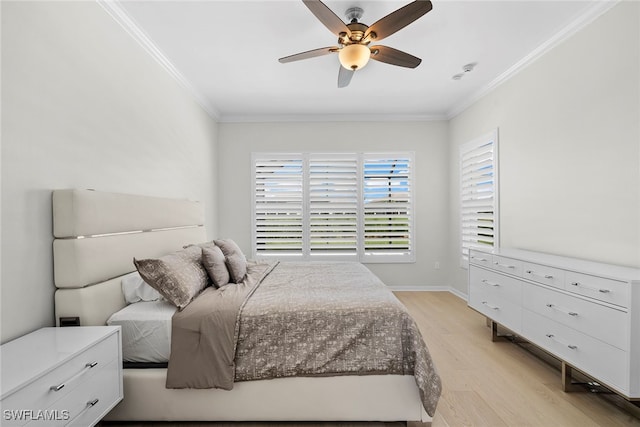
[(501, 383), (485, 383)]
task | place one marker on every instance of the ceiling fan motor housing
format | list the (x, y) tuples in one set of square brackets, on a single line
[(358, 31)]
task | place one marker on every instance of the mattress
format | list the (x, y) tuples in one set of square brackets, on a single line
[(146, 331)]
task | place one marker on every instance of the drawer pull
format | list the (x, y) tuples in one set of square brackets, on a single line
[(487, 282), (544, 276), (562, 310), (479, 259), (492, 307), (60, 386), (504, 265), (553, 337), (604, 291), (90, 404)]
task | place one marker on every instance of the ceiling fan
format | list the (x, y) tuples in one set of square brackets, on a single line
[(354, 38)]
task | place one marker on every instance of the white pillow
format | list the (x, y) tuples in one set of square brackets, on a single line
[(135, 289)]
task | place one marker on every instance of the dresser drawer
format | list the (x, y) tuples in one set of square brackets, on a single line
[(496, 284), (81, 368), (611, 291), (603, 361), (495, 307), (507, 265), (480, 258), (89, 401), (602, 322), (543, 274)]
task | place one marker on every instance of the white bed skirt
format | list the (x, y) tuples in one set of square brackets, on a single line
[(344, 398)]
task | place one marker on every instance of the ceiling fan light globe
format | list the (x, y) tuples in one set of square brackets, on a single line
[(354, 56)]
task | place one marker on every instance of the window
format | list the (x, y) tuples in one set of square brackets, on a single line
[(333, 206), (387, 205), (278, 203), (479, 194)]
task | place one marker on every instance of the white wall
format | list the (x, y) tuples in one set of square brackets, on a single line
[(428, 140), (83, 106), (569, 128)]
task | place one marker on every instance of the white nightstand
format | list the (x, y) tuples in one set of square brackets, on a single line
[(61, 376)]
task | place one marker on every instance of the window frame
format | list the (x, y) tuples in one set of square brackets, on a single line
[(360, 255), (491, 137)]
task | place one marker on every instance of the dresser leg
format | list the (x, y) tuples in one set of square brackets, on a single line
[(567, 384), (494, 332)]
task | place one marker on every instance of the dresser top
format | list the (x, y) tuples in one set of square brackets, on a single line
[(35, 354), (610, 271)]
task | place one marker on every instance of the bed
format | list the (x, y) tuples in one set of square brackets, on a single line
[(96, 237)]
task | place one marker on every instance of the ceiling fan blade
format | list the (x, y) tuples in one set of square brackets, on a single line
[(309, 54), (344, 76), (399, 19), (327, 17), (393, 56)]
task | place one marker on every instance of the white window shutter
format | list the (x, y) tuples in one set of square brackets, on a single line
[(388, 205), (345, 206), (278, 204), (479, 195), (333, 204)]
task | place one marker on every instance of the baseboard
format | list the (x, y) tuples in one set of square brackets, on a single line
[(415, 288)]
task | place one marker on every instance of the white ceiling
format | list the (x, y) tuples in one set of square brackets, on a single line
[(226, 52)]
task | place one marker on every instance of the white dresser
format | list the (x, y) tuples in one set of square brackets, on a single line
[(584, 313), (61, 376)]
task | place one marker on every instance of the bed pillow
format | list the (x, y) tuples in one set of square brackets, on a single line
[(135, 289), (234, 258), (214, 262), (178, 276)]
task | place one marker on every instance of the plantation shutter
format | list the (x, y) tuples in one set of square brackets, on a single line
[(388, 206), (278, 204), (343, 206), (333, 204), (478, 194)]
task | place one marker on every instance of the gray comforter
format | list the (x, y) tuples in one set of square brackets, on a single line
[(298, 319)]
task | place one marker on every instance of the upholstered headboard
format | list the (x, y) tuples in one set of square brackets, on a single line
[(96, 237)]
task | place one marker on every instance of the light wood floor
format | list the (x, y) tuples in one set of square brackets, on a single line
[(486, 383)]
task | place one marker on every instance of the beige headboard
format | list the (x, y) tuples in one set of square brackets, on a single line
[(96, 237)]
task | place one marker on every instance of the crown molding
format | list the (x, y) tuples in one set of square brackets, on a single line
[(128, 23), (590, 15), (298, 118), (116, 11)]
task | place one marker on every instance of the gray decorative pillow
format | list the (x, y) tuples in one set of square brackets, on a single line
[(178, 276), (235, 259), (213, 261)]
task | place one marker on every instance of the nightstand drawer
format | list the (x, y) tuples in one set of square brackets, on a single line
[(41, 393), (88, 402), (611, 291)]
